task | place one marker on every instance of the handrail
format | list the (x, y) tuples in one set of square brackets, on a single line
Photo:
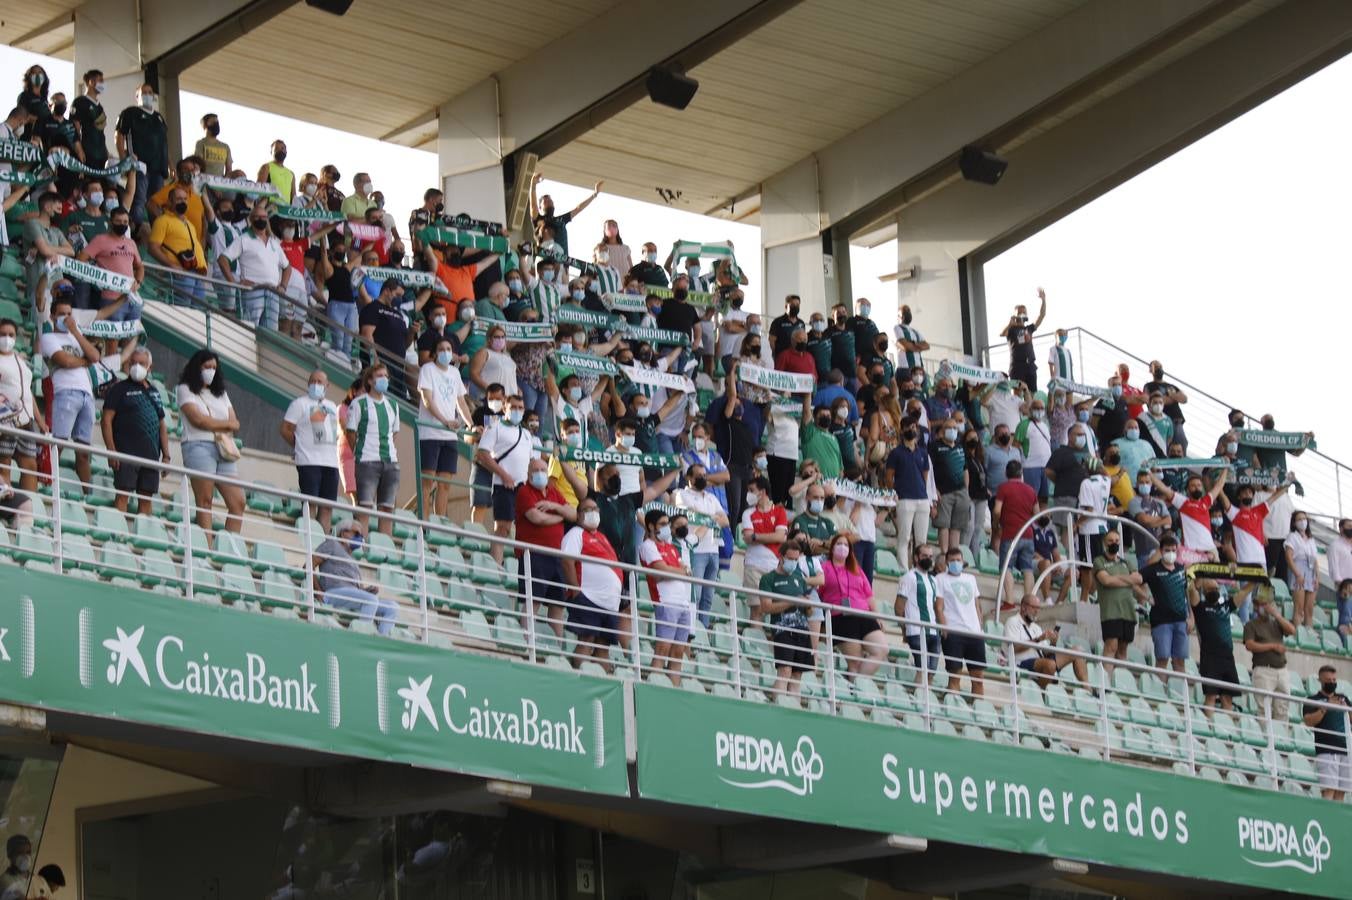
[(415, 549), (1050, 511), (1342, 473)]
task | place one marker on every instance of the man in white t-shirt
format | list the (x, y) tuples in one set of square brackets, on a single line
[(442, 409), (310, 426), (263, 270), (1005, 402), (505, 449), (1043, 663), (732, 330), (964, 645), (1095, 494), (69, 354), (781, 444), (594, 585), (662, 553)]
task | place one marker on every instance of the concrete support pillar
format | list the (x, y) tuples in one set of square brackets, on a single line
[(470, 154), (935, 290), (108, 38), (796, 259)]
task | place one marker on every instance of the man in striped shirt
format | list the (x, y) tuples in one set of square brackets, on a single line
[(1060, 364), (544, 290), (918, 600), (910, 343), (372, 423)]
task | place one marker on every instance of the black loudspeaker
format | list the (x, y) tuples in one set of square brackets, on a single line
[(337, 7), (981, 166), (670, 86)]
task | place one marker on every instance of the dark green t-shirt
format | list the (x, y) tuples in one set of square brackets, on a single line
[(1170, 593), (1116, 602), (789, 584), (818, 528), (91, 226), (617, 524)]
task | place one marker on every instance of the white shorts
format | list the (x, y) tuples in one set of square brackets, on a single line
[(294, 311), (1335, 771)]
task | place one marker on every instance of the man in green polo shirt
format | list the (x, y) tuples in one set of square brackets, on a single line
[(815, 525), (788, 620), (1119, 584), (818, 443)]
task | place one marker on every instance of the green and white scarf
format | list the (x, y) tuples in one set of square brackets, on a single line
[(61, 159), (696, 520), (1275, 440), (222, 185), (409, 278), (1102, 394), (308, 214), (862, 493), (1184, 462), (585, 362), (694, 298), (518, 332), (774, 380), (653, 378), (91, 274), (720, 251), (952, 369), (603, 457), (658, 336), (105, 330), (576, 315), (20, 153), (629, 303), (474, 240)]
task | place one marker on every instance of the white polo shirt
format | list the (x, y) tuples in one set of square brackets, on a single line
[(261, 260)]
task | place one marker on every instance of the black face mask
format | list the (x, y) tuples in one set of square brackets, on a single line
[(1236, 423), (279, 156), (613, 485), (1002, 439), (681, 532), (440, 206), (679, 293), (214, 129), (793, 309), (1328, 687), (260, 224), (737, 302), (59, 110), (800, 344), (699, 483), (876, 378), (925, 563), (830, 502), (1195, 494), (118, 230), (824, 422), (1110, 549), (1347, 532), (908, 393), (906, 317), (1112, 459), (1245, 501), (181, 207), (752, 350), (910, 434)]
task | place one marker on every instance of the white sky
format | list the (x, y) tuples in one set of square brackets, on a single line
[(1224, 260)]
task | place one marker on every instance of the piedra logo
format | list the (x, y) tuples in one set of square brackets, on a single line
[(172, 664), (795, 773), (1282, 846), (467, 713)]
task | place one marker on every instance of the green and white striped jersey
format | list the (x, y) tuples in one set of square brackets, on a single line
[(376, 422)]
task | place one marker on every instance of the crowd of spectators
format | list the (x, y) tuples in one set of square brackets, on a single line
[(626, 408)]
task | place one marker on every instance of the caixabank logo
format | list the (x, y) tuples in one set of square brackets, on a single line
[(179, 665), (466, 711), (1280, 845)]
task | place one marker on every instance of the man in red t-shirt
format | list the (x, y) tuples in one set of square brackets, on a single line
[(1194, 515), (540, 513), (1015, 504), (1247, 519), (795, 357)]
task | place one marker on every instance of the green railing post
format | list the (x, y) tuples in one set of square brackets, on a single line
[(208, 317), (417, 461)]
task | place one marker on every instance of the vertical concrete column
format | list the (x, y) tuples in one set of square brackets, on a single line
[(935, 292), (470, 154), (795, 258)]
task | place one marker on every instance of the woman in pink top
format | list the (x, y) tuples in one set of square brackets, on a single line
[(853, 625)]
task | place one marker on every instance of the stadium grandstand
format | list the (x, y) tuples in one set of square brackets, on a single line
[(355, 552)]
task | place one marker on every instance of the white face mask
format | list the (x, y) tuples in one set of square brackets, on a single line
[(139, 372), (208, 376), (591, 519), (1168, 556), (6, 343), (288, 234)]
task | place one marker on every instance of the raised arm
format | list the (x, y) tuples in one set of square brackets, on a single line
[(1042, 309), (577, 210)]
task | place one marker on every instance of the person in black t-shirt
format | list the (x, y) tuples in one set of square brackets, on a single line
[(383, 325), (133, 423), (678, 315), (782, 327), (1330, 736), (1173, 398), (1019, 333)]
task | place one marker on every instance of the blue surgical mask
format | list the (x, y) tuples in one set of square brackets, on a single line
[(950, 434), (1231, 447), (1132, 434), (316, 392), (574, 394), (60, 324), (354, 542), (514, 416), (539, 480), (95, 198), (382, 384), (579, 295), (1078, 442), (547, 274), (1062, 338), (955, 567), (865, 309), (815, 506), (664, 534), (1117, 390), (514, 285), (1082, 415), (443, 357), (655, 309)]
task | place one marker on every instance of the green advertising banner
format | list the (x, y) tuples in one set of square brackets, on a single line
[(769, 761), (117, 653)]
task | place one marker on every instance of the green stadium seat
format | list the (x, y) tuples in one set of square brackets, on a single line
[(1209, 773), (32, 546), (158, 568), (74, 518), (109, 525), (1032, 742), (1058, 699), (1308, 639), (317, 535), (436, 538), (985, 714), (269, 556), (1117, 708), (229, 548), (77, 553), (509, 635), (943, 727), (237, 583), (1141, 713), (1086, 704), (378, 548), (476, 626), (117, 561), (1332, 644), (886, 564), (661, 679), (477, 542), (277, 590), (1223, 726)]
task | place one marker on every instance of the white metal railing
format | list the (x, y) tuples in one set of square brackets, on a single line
[(446, 589), (1326, 481)]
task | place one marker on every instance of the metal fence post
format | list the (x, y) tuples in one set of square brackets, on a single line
[(736, 662), (305, 513), (1187, 726), (1014, 693), (422, 583), (1272, 744), (189, 516), (636, 645), (830, 664), (1103, 713), (58, 557), (529, 584)]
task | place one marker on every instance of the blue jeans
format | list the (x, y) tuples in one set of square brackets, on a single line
[(364, 604), (864, 551), (539, 402), (1036, 478), (187, 289), (931, 650), (344, 314), (73, 415), (666, 443), (147, 185), (705, 565)]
